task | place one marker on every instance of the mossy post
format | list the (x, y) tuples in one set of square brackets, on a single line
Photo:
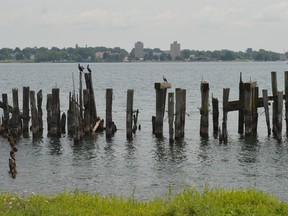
[(109, 97), (129, 113), (180, 113), (171, 116), (241, 107), (204, 110), (266, 110), (275, 101), (161, 91), (25, 114), (215, 110), (224, 135), (286, 101), (34, 115)]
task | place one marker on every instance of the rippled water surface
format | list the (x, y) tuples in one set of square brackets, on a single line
[(145, 167)]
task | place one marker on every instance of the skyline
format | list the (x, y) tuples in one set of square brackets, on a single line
[(205, 25)]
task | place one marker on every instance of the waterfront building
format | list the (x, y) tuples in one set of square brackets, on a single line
[(139, 50), (174, 50)]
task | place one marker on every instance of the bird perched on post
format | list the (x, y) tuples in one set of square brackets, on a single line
[(164, 79), (88, 68), (81, 68)]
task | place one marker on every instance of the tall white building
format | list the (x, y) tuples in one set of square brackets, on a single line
[(175, 50), (139, 50)]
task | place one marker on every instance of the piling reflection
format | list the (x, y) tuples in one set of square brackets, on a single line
[(55, 146)]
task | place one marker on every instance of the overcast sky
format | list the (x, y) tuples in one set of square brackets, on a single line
[(195, 24)]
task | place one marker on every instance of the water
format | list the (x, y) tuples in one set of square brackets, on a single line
[(145, 167)]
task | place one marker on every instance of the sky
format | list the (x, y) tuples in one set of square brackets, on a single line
[(195, 24)]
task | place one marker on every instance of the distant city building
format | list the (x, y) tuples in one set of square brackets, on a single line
[(139, 50), (99, 55), (175, 50)]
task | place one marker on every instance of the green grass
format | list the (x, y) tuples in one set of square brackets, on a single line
[(188, 202)]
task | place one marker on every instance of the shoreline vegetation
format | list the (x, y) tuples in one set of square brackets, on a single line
[(117, 54), (188, 202)]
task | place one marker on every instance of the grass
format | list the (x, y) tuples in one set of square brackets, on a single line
[(188, 202)]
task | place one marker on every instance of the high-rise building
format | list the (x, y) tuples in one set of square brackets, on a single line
[(139, 50), (175, 50)]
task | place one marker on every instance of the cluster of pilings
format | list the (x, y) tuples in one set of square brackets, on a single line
[(180, 111)]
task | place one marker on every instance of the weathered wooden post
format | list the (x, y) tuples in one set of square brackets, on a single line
[(25, 113), (86, 121), (109, 97), (135, 119), (204, 110), (241, 107), (16, 119), (70, 114), (248, 107), (77, 122), (55, 128), (49, 111), (129, 113), (5, 109), (279, 116), (171, 116), (63, 123), (34, 115), (286, 101), (266, 110), (161, 90), (224, 136), (255, 96), (92, 102), (80, 94), (275, 101), (215, 110), (180, 113), (40, 112)]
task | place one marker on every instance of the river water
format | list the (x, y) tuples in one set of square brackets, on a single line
[(145, 167)]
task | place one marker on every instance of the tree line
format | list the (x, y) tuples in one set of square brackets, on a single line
[(117, 54)]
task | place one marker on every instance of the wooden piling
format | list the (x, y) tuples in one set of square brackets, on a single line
[(241, 107), (25, 114), (39, 109), (171, 116), (80, 94), (215, 110), (15, 122), (248, 88), (129, 113), (224, 136), (180, 113), (266, 110), (279, 116), (89, 86), (255, 96), (275, 102), (161, 91), (204, 110), (135, 119), (70, 114), (34, 115), (286, 100), (49, 111), (55, 128), (5, 110), (63, 123), (86, 121), (109, 97)]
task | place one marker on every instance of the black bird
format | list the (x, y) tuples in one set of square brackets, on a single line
[(165, 80), (88, 68), (80, 67)]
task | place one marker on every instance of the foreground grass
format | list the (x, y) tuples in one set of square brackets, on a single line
[(189, 202)]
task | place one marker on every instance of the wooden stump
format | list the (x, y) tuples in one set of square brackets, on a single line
[(180, 113), (204, 110), (171, 116), (129, 113)]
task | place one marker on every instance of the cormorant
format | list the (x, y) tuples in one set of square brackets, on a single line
[(165, 80), (80, 67), (88, 68)]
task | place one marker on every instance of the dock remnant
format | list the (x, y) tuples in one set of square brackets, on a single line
[(215, 112), (171, 116), (224, 136), (25, 114), (129, 113)]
